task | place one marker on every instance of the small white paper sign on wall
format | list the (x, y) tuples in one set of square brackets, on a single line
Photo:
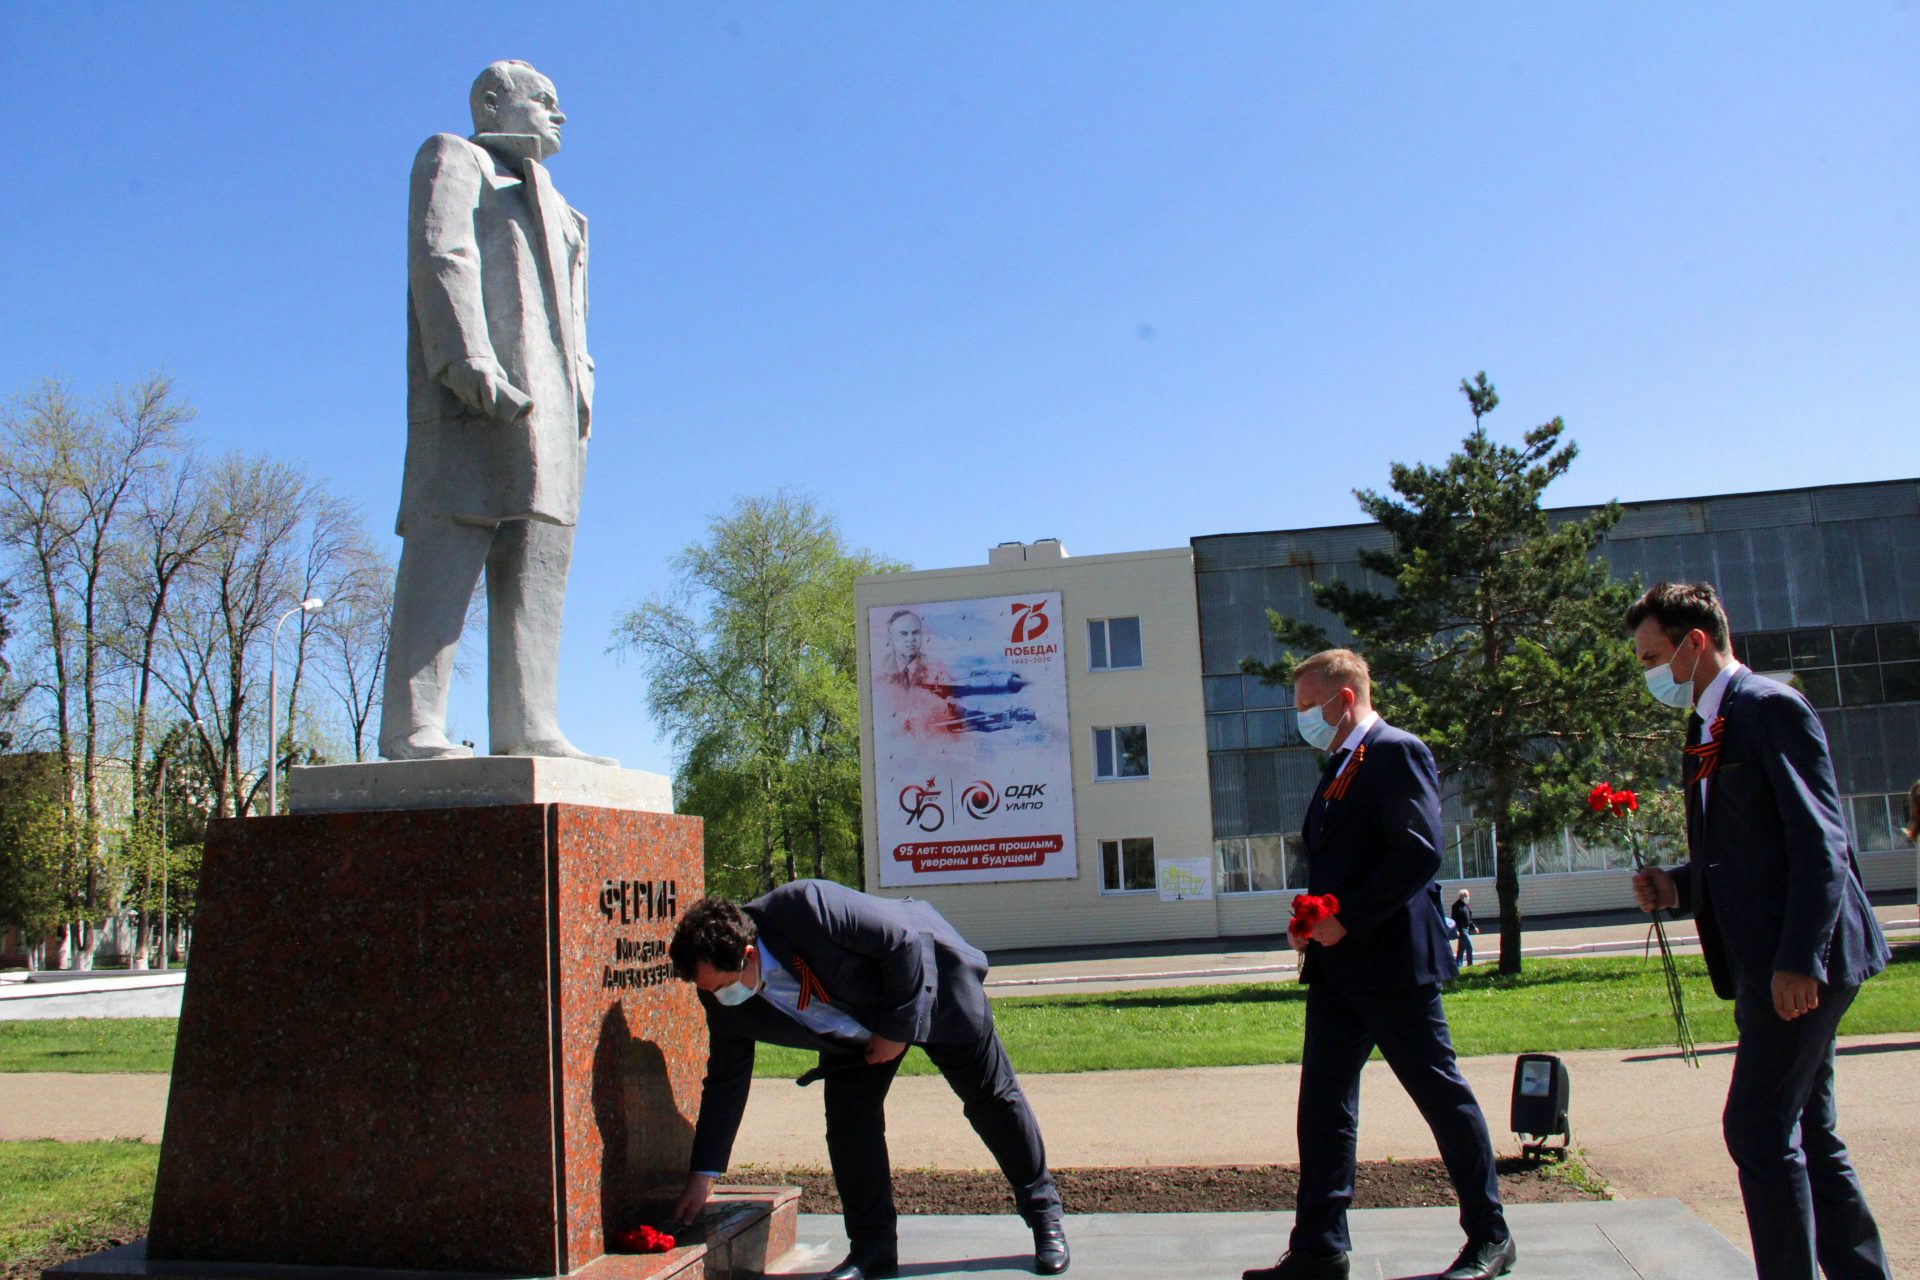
[(1184, 879)]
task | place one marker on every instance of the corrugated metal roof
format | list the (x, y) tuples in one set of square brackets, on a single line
[(1653, 519), (1864, 502), (1760, 510), (1716, 512)]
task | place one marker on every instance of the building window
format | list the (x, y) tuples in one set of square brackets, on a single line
[(1226, 733), (1120, 752), (1260, 864), (1272, 729), (1876, 824), (1113, 643), (1468, 851), (1126, 866), (1841, 666)]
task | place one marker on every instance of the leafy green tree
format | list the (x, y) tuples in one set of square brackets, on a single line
[(750, 662), (35, 836), (70, 477), (1495, 635), (163, 841)]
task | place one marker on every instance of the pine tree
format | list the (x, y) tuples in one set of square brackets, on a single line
[(1498, 640)]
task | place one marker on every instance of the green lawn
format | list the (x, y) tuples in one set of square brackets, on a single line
[(1611, 1002), (88, 1044), (62, 1198)]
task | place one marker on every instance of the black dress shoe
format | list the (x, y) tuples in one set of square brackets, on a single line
[(867, 1262), (1050, 1256), (1302, 1266), (1482, 1260)]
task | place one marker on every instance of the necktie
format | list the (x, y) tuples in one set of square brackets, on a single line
[(1327, 774)]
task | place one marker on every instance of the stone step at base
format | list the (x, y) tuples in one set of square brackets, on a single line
[(747, 1229)]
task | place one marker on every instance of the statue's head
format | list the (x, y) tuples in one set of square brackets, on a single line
[(511, 97)]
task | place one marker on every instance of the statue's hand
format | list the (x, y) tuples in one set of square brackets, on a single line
[(483, 384)]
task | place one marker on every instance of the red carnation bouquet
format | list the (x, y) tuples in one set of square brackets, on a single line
[(1603, 799), (1309, 909), (643, 1239)]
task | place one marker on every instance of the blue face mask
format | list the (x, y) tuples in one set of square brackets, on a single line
[(1661, 683), (1313, 726), (735, 993)]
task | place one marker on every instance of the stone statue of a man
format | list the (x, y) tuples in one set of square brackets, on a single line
[(499, 396)]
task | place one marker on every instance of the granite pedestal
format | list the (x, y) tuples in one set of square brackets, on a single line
[(442, 1039)]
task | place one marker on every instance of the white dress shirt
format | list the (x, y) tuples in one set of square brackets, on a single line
[(1707, 707), (1358, 732)]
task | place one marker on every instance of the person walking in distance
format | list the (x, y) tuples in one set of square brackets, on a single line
[(1373, 972), (1912, 829), (1784, 927), (1463, 928)]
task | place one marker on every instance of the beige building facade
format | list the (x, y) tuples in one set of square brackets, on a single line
[(1119, 679)]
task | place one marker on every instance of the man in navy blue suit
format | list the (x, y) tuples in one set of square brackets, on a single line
[(1784, 924), (1374, 972), (859, 978)]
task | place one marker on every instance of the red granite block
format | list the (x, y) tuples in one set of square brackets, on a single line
[(632, 1040), (436, 1039)]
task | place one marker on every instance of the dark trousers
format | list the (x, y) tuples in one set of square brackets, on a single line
[(1463, 947), (1410, 1029), (989, 1092), (1803, 1199)]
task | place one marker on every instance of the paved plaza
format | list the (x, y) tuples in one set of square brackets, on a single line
[(1597, 1240)]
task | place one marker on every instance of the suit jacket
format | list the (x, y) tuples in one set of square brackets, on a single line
[(894, 964), (1770, 875), (1377, 849), (496, 270)]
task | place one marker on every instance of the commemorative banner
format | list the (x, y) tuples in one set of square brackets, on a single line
[(973, 766)]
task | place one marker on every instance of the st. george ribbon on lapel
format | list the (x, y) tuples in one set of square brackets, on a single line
[(1337, 789), (1706, 755), (811, 988)]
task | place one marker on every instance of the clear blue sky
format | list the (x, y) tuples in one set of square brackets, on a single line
[(1115, 273)]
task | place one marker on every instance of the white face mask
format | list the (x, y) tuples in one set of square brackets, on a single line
[(1665, 688), (1314, 729)]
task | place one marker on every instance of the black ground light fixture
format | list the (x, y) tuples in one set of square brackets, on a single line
[(1540, 1101)]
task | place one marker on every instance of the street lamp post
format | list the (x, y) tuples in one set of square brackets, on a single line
[(160, 792), (273, 704)]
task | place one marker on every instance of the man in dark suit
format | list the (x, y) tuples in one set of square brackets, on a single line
[(1784, 925), (819, 966), (1374, 972)]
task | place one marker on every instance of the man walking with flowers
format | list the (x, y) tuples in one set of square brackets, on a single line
[(1784, 925), (1374, 953)]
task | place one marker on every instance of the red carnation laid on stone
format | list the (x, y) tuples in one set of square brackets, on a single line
[(644, 1240)]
